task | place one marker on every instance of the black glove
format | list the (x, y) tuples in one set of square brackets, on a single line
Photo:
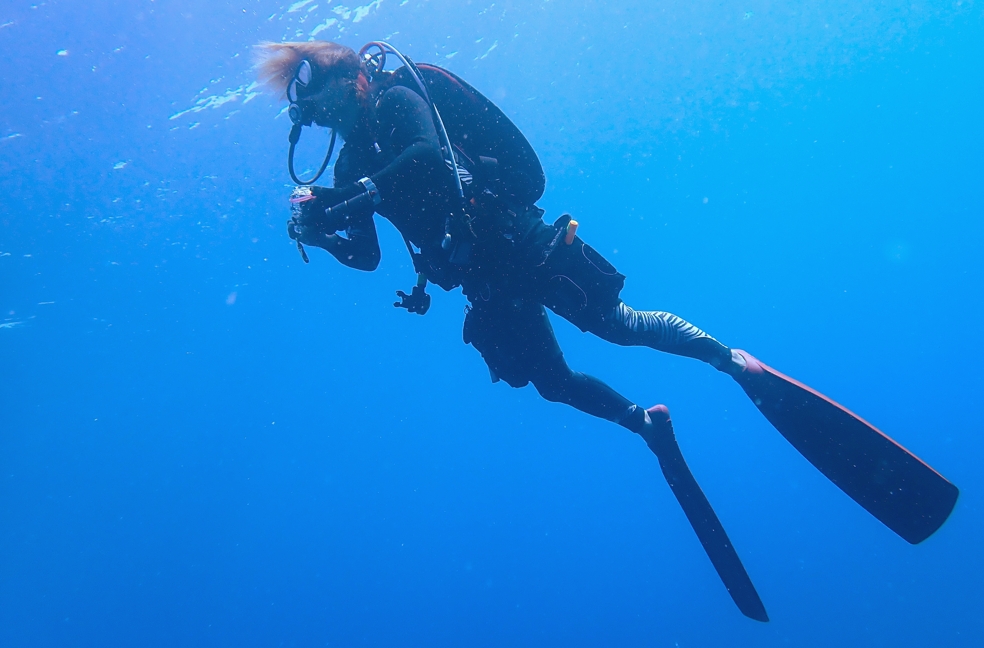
[(312, 219), (326, 210), (418, 301)]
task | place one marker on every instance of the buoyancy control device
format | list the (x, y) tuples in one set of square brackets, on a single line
[(478, 141)]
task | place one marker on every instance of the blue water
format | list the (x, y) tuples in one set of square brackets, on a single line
[(205, 442)]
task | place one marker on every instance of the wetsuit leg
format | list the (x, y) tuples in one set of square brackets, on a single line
[(560, 384), (518, 344), (580, 285), (661, 331)]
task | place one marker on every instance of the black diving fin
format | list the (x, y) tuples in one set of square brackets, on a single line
[(702, 518), (888, 481)]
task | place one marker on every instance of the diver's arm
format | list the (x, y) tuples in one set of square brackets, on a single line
[(316, 221), (359, 248), (409, 124)]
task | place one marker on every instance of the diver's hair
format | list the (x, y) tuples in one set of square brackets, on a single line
[(276, 63)]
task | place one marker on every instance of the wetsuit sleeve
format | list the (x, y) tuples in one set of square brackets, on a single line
[(406, 124), (359, 248)]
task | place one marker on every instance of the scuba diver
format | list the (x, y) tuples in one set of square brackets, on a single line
[(460, 182)]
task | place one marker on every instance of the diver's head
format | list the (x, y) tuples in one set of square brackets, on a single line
[(324, 82)]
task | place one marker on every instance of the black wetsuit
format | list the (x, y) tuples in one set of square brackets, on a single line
[(517, 266)]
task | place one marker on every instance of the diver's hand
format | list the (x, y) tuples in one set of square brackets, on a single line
[(313, 220), (327, 198), (329, 208), (310, 234), (310, 209)]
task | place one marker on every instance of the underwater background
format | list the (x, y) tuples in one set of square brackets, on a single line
[(206, 442)]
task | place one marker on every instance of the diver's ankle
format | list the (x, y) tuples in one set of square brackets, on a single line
[(734, 365), (657, 430)]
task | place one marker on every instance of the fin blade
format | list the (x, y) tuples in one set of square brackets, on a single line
[(707, 526), (888, 481)]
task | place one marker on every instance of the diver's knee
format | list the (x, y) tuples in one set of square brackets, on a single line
[(620, 326), (553, 386)]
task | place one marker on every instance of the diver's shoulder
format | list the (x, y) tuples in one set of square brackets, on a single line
[(400, 96)]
